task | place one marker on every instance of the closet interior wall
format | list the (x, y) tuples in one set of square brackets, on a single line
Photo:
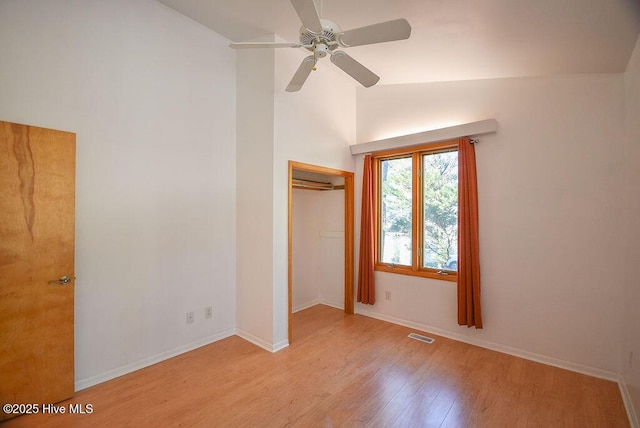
[(318, 247)]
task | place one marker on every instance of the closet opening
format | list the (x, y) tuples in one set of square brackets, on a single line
[(321, 266)]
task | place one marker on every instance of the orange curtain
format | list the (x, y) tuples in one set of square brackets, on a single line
[(469, 312), (366, 284)]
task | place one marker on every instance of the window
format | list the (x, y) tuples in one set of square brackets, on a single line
[(417, 211)]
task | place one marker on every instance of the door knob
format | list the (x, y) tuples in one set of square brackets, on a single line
[(63, 280)]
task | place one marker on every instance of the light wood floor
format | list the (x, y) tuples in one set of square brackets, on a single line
[(345, 370)]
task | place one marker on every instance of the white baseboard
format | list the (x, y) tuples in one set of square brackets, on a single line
[(332, 304), (318, 302), (579, 368), (267, 346), (628, 404), (146, 362), (305, 306), (603, 374), (278, 346)]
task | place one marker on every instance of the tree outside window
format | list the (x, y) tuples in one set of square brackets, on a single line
[(440, 209)]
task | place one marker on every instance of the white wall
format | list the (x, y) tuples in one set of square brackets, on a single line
[(255, 115), (551, 195), (305, 222), (315, 125), (151, 97), (631, 362), (318, 248), (332, 248)]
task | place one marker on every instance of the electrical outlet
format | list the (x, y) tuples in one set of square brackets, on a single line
[(208, 312), (190, 317), (387, 295)]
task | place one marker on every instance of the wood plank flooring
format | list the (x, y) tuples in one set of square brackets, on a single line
[(345, 370)]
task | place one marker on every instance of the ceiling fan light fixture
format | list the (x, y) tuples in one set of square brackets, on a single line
[(321, 50)]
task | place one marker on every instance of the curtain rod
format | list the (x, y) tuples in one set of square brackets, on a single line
[(481, 127)]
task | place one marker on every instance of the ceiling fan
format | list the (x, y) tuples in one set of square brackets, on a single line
[(322, 37)]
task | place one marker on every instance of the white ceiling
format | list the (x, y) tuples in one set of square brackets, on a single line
[(452, 39)]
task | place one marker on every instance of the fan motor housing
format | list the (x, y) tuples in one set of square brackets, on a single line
[(328, 38)]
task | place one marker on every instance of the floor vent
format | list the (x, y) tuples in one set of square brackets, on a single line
[(421, 338)]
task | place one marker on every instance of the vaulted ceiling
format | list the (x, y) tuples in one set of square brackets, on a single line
[(452, 39)]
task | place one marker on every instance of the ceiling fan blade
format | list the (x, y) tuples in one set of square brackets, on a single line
[(306, 10), (354, 69), (301, 74), (252, 45), (398, 29)]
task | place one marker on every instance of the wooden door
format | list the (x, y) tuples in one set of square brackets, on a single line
[(37, 201)]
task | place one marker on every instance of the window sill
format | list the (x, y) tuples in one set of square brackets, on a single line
[(406, 270)]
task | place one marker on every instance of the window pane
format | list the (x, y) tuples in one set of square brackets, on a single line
[(396, 200), (440, 198)]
